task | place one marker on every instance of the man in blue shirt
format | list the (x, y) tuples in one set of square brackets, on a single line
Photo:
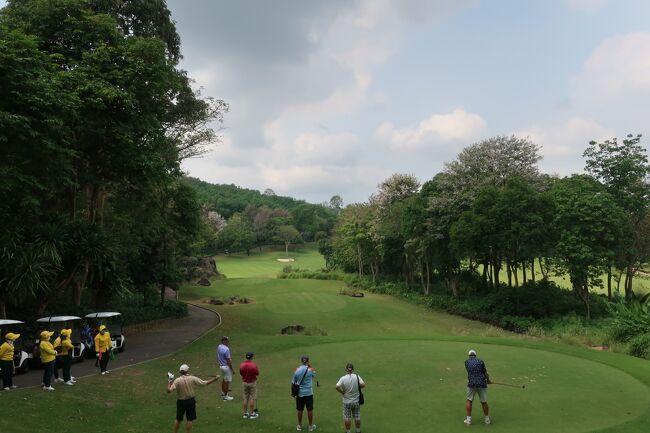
[(477, 382), (225, 365), (303, 377)]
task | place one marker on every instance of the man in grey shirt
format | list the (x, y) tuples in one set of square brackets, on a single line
[(349, 386)]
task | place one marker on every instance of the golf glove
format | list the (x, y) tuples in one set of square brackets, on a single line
[(170, 377)]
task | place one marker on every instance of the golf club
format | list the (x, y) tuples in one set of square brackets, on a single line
[(507, 384)]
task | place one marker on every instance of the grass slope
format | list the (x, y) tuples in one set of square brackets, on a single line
[(411, 358)]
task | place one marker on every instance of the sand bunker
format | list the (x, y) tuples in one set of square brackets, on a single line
[(285, 260)]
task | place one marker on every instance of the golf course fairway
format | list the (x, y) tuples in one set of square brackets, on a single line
[(411, 359)]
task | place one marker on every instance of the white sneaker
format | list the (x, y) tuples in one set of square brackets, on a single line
[(104, 373), (58, 380), (69, 382), (245, 416), (73, 381), (13, 387), (107, 371), (488, 421), (467, 421), (312, 427), (254, 415), (72, 378), (299, 427), (48, 388), (7, 388), (228, 397)]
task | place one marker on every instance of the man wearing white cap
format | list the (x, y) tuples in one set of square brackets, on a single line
[(477, 382), (186, 403)]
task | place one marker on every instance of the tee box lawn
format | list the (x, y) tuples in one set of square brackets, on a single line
[(411, 359)]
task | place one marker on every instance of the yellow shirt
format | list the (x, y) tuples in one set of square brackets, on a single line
[(66, 347), (57, 345), (48, 354), (103, 342), (6, 352)]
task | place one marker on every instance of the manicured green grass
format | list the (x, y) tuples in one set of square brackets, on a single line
[(411, 358), (265, 263)]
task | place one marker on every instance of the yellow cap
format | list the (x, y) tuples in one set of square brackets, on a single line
[(66, 332), (11, 336), (102, 327), (46, 334)]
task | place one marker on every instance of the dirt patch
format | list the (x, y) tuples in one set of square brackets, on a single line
[(232, 300), (301, 330), (600, 348), (292, 329), (352, 293), (286, 260)]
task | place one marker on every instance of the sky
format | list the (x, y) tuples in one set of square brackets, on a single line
[(332, 97)]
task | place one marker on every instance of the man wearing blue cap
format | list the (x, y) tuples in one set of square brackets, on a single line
[(303, 377)]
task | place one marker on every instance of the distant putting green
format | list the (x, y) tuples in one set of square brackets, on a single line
[(411, 358)]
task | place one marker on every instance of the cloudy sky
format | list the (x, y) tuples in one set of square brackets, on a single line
[(331, 97)]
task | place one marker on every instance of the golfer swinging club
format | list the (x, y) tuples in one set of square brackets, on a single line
[(186, 403), (477, 382)]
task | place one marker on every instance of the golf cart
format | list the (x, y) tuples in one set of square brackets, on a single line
[(115, 324), (21, 356), (57, 323)]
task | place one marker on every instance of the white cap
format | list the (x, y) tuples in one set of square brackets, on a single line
[(184, 368), (472, 352)]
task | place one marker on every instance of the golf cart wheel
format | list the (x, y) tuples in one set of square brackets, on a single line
[(121, 349), (24, 368)]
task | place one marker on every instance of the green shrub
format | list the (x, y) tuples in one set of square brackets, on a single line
[(640, 346)]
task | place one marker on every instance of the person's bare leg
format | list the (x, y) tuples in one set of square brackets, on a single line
[(251, 405), (176, 425), (188, 426), (224, 387), (245, 405), (468, 407), (348, 424), (310, 416), (299, 417), (486, 408), (357, 423)]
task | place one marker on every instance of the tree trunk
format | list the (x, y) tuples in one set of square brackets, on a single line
[(360, 262), (497, 268), (609, 282), (628, 282), (523, 270), (542, 269), (286, 249), (509, 271), (532, 269), (516, 275), (485, 274), (428, 286), (80, 284)]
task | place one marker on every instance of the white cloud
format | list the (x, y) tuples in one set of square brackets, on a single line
[(614, 79), (563, 145), (438, 129)]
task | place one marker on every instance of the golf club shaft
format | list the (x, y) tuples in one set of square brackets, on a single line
[(507, 384)]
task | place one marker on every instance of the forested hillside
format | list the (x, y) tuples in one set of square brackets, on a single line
[(240, 219)]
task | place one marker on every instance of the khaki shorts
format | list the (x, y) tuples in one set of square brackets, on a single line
[(482, 394), (250, 391)]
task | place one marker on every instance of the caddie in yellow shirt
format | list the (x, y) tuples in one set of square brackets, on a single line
[(66, 355), (48, 356), (7, 360), (103, 346)]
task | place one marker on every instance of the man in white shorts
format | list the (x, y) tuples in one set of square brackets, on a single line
[(225, 365), (349, 386), (477, 382)]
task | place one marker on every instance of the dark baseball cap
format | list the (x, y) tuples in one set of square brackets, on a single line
[(249, 355), (225, 338), (304, 358), (349, 366)]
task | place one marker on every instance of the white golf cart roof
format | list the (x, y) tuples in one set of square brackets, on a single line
[(51, 319), (4, 322), (102, 315)]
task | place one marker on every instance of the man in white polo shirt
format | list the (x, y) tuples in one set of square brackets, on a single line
[(349, 386)]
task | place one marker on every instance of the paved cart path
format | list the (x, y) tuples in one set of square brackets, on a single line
[(169, 337)]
